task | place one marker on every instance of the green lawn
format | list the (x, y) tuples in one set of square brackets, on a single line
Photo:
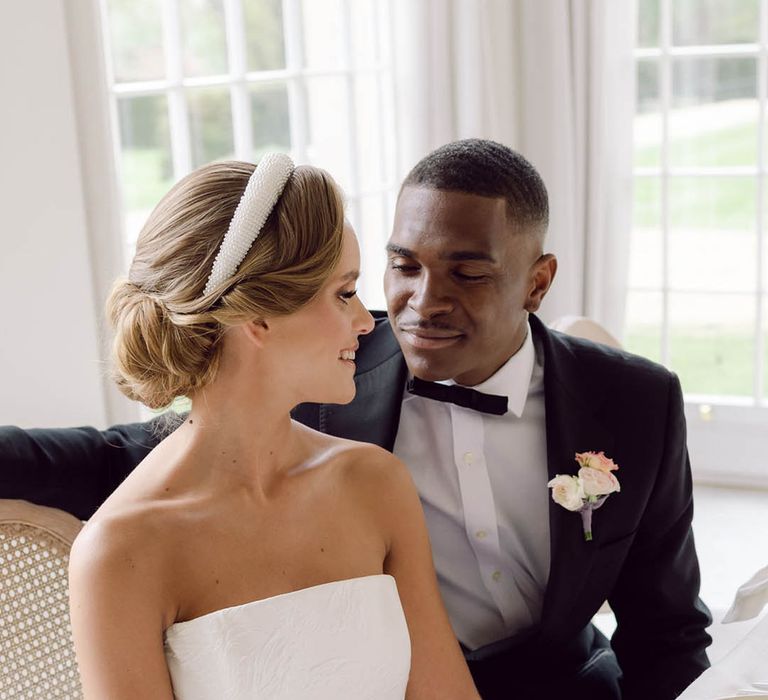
[(735, 145), (704, 202), (707, 362)]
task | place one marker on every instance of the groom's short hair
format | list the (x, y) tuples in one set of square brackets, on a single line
[(489, 169)]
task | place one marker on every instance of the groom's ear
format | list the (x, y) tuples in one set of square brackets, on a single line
[(542, 273), (256, 331)]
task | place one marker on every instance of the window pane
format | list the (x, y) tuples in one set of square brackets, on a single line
[(647, 125), (646, 213), (765, 347), (364, 33), (323, 33), (329, 145), (264, 34), (367, 217), (712, 343), (713, 121), (136, 35), (271, 119), (712, 234), (696, 22), (210, 125), (370, 162), (203, 37), (645, 261), (764, 234), (643, 324), (648, 23), (146, 162)]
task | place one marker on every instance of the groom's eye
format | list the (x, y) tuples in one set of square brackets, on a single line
[(402, 265), (469, 278)]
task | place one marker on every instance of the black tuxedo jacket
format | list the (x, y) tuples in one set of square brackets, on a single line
[(642, 558)]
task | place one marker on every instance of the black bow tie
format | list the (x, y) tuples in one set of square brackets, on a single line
[(460, 395)]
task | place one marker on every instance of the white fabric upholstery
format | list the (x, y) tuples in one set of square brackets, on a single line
[(744, 668), (582, 327)]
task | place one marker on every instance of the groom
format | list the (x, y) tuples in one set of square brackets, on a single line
[(466, 269)]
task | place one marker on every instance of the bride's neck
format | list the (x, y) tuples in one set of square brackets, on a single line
[(241, 425)]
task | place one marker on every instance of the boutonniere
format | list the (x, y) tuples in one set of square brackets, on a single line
[(587, 491)]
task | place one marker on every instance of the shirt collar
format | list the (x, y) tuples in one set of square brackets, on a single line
[(513, 378)]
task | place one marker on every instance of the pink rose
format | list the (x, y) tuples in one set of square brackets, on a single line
[(597, 482), (567, 491), (596, 460)]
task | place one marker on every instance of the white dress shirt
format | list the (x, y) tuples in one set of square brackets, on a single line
[(483, 484)]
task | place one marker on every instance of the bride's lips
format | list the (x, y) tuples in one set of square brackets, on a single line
[(429, 340), (347, 356)]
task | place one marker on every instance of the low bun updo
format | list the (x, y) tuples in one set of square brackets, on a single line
[(167, 332)]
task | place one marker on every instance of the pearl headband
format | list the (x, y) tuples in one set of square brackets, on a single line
[(261, 194)]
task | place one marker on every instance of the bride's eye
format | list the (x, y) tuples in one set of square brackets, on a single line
[(346, 296)]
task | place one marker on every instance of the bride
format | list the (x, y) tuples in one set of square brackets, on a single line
[(249, 556)]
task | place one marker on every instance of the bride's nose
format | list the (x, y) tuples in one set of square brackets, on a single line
[(363, 320)]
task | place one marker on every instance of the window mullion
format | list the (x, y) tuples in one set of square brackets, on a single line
[(117, 146), (387, 103), (238, 89), (351, 95), (666, 100), (762, 77), (396, 172), (178, 113), (297, 89), (354, 174)]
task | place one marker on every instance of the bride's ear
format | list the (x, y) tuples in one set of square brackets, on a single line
[(256, 331)]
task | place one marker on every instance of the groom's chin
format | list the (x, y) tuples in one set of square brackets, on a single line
[(430, 370)]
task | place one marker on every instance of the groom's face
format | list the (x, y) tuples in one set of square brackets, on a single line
[(460, 280)]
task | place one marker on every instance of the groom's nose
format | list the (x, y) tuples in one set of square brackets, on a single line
[(429, 295)]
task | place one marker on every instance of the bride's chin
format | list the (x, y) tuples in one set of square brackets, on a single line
[(341, 394)]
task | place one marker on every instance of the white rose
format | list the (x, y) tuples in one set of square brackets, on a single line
[(567, 491), (597, 482)]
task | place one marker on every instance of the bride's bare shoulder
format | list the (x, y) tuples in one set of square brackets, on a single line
[(371, 468), (372, 474), (127, 536), (350, 455)]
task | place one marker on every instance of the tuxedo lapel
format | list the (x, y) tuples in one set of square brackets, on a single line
[(572, 426)]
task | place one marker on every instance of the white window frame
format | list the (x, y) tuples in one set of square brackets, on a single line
[(295, 76), (727, 436)]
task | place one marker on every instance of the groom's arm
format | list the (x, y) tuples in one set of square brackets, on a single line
[(74, 469), (660, 640)]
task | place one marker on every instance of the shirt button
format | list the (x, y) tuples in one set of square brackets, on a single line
[(496, 575), (481, 534), (469, 458)]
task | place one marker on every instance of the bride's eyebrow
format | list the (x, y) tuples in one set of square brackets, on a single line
[(350, 276)]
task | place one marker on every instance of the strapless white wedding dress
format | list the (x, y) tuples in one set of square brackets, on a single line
[(345, 639)]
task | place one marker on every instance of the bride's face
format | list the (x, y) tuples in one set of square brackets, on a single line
[(319, 340)]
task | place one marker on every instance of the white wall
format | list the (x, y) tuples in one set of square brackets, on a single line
[(50, 366)]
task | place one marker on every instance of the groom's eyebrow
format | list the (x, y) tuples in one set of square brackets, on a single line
[(454, 256), (399, 250), (459, 255)]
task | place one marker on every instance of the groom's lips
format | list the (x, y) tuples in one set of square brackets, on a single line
[(429, 339)]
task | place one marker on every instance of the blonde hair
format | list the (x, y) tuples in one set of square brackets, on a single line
[(167, 333)]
